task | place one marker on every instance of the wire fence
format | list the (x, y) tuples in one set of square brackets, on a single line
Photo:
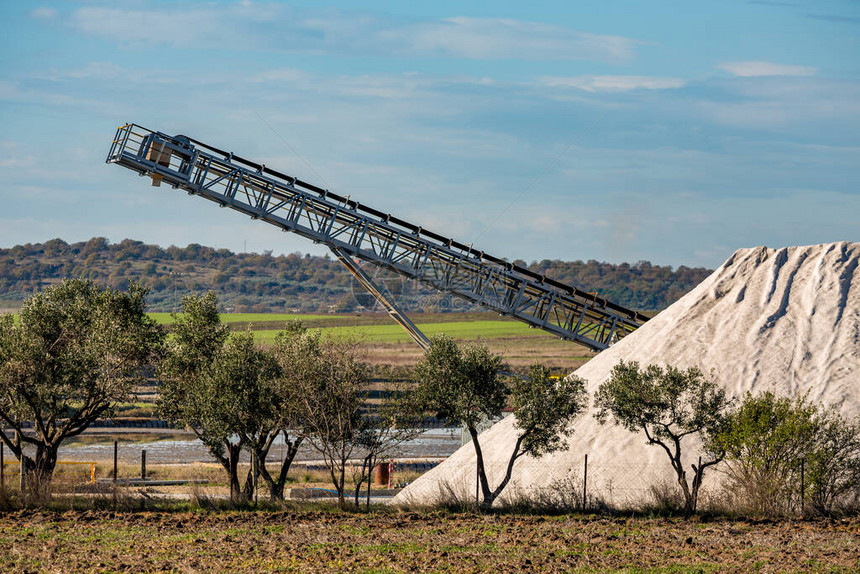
[(172, 466), (184, 462), (182, 468), (608, 485), (588, 484)]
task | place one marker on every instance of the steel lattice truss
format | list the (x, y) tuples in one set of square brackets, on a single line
[(361, 232)]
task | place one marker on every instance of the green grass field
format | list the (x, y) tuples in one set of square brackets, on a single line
[(376, 328), (394, 333), (388, 343), (167, 318)]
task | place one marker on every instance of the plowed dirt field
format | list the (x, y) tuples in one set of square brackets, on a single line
[(316, 541)]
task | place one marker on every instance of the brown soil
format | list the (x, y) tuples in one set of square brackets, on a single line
[(320, 541), (562, 357)]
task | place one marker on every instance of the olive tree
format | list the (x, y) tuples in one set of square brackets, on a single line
[(227, 391), (669, 405), (76, 350), (463, 384), (198, 337), (395, 418), (239, 395), (325, 384)]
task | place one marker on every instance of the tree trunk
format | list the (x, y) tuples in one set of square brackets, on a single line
[(689, 505), (230, 463), (45, 463), (38, 470), (697, 481), (276, 486), (370, 467), (514, 456), (486, 494), (248, 488), (366, 472), (699, 473), (338, 478), (341, 498), (678, 466), (234, 451)]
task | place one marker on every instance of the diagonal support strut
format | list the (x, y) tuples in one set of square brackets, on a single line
[(378, 294)]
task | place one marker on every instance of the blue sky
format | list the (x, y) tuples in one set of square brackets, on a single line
[(674, 132)]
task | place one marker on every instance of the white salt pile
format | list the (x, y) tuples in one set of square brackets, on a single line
[(783, 320)]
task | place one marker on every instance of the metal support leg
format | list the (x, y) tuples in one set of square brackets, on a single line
[(377, 293)]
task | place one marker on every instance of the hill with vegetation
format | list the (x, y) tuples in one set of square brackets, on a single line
[(262, 282)]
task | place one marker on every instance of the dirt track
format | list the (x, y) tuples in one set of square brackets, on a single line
[(323, 541)]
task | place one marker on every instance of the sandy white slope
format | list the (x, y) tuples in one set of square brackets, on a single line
[(785, 320)]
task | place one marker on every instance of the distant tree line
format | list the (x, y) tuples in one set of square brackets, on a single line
[(254, 282)]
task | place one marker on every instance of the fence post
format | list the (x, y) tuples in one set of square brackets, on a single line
[(585, 484), (697, 484), (2, 469), (115, 448), (802, 485), (232, 462), (143, 465), (255, 462), (370, 473)]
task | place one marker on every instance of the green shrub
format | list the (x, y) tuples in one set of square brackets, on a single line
[(785, 455)]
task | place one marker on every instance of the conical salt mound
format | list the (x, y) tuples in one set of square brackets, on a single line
[(780, 320)]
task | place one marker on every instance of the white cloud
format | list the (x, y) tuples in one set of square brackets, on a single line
[(494, 39), (177, 28), (238, 26), (613, 83), (91, 71), (13, 158), (44, 13), (16, 92), (752, 68), (787, 103), (289, 75)]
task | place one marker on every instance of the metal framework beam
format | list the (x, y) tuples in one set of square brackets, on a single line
[(353, 230)]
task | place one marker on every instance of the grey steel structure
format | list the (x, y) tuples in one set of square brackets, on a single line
[(354, 231)]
